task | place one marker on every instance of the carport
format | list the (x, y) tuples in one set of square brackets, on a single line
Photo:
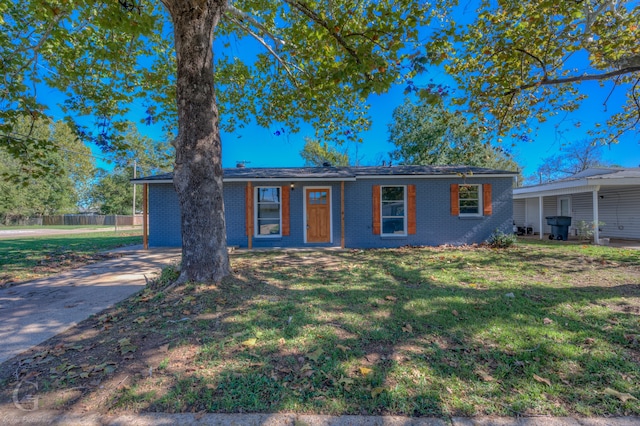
[(599, 195)]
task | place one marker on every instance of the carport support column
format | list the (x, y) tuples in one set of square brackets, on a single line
[(596, 231), (541, 215)]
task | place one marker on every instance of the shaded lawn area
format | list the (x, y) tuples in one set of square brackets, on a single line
[(27, 258), (536, 329)]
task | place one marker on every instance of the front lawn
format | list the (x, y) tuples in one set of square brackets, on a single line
[(536, 329), (27, 258)]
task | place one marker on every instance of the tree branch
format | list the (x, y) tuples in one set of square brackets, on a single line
[(305, 10), (269, 48), (241, 16), (579, 78)]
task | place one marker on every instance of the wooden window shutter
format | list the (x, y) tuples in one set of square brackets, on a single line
[(455, 203), (286, 192), (376, 210), (411, 209), (487, 209), (248, 200)]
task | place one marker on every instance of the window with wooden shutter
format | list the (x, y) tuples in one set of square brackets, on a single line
[(376, 210)]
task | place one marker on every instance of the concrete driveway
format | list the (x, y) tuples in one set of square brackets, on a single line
[(37, 310)]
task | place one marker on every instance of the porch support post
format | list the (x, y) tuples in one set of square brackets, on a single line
[(596, 231), (541, 215), (145, 212), (342, 214)]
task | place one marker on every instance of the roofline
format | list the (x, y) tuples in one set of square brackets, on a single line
[(448, 176), (592, 183), (339, 179)]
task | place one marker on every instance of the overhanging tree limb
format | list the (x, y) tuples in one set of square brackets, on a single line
[(579, 78)]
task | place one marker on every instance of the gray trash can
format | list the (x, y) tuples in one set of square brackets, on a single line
[(559, 227)]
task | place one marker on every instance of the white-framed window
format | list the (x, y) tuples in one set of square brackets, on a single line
[(393, 205), (470, 199), (268, 211)]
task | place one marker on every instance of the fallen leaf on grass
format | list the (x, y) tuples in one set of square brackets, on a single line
[(624, 397), (455, 313), (376, 391), (391, 298), (542, 380), (547, 321), (589, 341), (249, 343), (407, 328), (365, 371), (315, 355), (486, 377), (126, 346), (343, 348)]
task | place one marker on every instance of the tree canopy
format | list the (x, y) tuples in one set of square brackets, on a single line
[(55, 189), (316, 153), (430, 133), (518, 62)]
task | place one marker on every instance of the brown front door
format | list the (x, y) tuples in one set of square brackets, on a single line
[(318, 215)]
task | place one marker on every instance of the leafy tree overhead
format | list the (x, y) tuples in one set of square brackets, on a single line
[(316, 62), (521, 61), (316, 153), (429, 133)]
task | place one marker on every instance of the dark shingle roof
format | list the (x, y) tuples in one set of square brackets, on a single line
[(340, 173)]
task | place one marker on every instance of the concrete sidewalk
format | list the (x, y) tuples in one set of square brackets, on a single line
[(37, 310), (160, 419)]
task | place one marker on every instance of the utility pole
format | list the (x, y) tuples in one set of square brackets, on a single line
[(133, 211)]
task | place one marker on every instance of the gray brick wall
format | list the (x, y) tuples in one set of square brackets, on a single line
[(435, 225)]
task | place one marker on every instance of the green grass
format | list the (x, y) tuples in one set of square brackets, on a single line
[(27, 258), (537, 329), (23, 227)]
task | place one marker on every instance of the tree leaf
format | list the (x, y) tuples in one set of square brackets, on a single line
[(315, 355), (542, 380), (377, 391), (624, 397), (365, 371), (250, 343)]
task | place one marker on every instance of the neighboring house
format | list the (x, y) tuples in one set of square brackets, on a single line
[(600, 195), (355, 207)]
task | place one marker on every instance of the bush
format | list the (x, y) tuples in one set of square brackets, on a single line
[(586, 230), (501, 240)]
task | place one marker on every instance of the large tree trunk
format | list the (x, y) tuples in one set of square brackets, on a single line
[(198, 171)]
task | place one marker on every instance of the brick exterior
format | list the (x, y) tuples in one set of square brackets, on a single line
[(435, 224)]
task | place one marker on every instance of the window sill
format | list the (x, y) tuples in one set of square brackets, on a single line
[(392, 236), (268, 237), (474, 217)]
